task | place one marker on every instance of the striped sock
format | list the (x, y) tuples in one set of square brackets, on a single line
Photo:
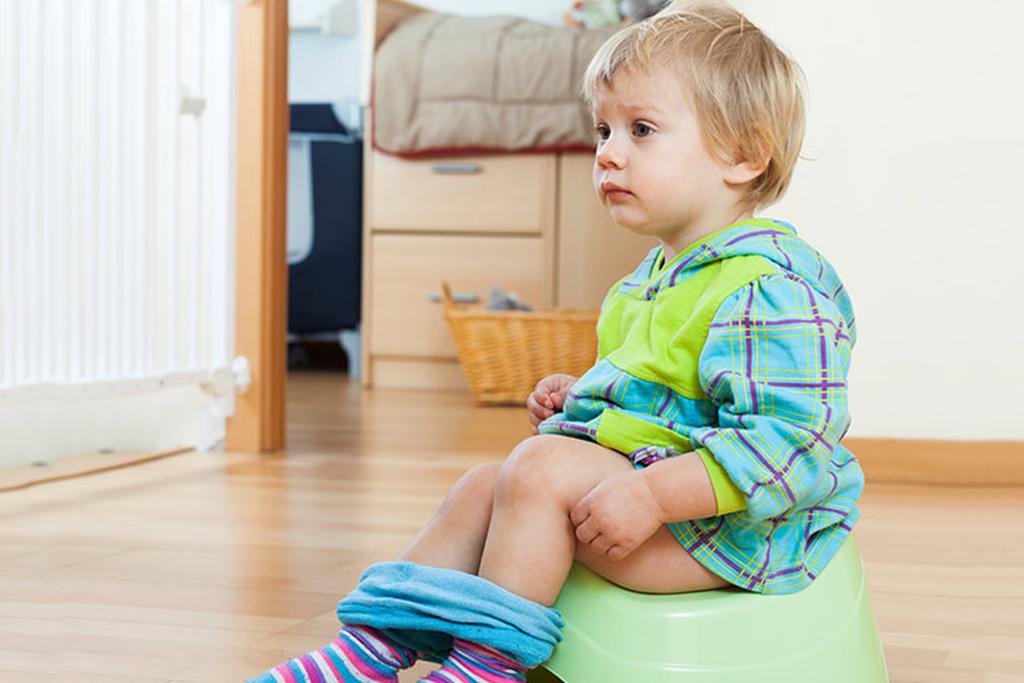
[(360, 654), (474, 663)]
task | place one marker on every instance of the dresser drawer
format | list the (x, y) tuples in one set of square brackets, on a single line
[(406, 269), (512, 193)]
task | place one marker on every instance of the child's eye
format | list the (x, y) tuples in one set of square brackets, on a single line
[(642, 130), (601, 131)]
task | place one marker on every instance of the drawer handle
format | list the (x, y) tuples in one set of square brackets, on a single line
[(457, 297), (456, 169)]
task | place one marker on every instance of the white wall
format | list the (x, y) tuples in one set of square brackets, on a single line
[(322, 68), (912, 190)]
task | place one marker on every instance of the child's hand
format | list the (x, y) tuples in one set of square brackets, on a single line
[(617, 516), (548, 397)]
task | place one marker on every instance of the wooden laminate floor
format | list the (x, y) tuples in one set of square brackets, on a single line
[(212, 567)]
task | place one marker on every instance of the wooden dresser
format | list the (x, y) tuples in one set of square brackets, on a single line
[(528, 223)]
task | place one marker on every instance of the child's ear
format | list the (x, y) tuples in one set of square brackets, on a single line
[(748, 165), (743, 172)]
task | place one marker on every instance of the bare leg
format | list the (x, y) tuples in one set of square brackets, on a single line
[(454, 536), (454, 539), (531, 542)]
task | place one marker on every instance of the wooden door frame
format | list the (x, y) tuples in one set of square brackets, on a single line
[(258, 423)]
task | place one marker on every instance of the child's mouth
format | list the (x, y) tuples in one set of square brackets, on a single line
[(613, 191)]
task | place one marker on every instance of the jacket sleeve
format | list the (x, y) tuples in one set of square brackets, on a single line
[(728, 498), (775, 366)]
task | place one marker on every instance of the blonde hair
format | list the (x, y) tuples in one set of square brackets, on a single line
[(747, 93)]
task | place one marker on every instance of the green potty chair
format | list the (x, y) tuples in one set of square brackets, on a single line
[(826, 633)]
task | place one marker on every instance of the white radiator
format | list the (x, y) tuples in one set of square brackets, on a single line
[(116, 224), (116, 194)]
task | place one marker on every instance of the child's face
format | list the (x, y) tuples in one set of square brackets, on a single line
[(649, 145)]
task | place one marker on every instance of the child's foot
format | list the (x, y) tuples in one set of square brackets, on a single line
[(360, 654), (473, 663)]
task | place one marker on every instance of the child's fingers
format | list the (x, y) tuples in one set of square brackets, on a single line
[(537, 410), (587, 532), (535, 403), (600, 544), (579, 513), (617, 553)]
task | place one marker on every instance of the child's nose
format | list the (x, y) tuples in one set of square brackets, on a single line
[(610, 154)]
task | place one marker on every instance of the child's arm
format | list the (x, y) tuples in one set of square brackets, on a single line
[(681, 487), (775, 365)]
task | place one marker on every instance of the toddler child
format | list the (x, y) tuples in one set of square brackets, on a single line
[(703, 449)]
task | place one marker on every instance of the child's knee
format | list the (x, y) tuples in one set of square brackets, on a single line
[(538, 465), (474, 489)]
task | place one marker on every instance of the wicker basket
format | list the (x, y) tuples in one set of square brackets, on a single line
[(505, 353)]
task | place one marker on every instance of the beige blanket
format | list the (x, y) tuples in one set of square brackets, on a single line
[(446, 84)]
